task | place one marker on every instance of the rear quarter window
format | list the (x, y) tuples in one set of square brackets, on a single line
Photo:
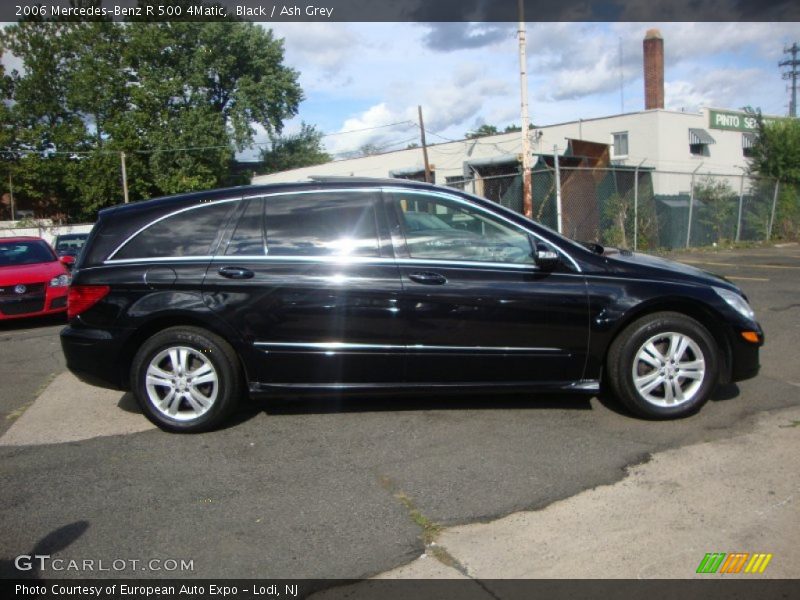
[(193, 232)]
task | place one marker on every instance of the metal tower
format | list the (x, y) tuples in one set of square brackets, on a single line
[(791, 74)]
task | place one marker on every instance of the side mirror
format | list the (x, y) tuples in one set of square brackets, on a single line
[(67, 261), (546, 258)]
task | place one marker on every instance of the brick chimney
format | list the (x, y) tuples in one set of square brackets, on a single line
[(653, 69)]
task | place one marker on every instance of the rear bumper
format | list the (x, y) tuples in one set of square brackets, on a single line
[(92, 355)]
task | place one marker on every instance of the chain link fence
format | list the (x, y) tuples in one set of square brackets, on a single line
[(648, 209)]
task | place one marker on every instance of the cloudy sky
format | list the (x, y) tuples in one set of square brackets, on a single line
[(363, 76)]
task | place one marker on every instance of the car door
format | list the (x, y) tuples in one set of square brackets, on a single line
[(475, 306), (309, 281)]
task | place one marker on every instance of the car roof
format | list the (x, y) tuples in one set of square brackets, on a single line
[(21, 238), (320, 183)]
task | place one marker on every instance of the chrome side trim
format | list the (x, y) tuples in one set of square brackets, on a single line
[(333, 260), (465, 202), (421, 348), (586, 385), (550, 386), (158, 259)]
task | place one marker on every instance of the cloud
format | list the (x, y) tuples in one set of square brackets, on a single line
[(325, 46), (578, 60), (720, 87), (447, 37), (370, 127), (683, 95), (448, 103)]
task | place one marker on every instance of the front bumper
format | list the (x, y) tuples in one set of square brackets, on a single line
[(745, 355), (53, 300)]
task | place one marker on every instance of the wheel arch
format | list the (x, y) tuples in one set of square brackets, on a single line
[(162, 322), (694, 309)]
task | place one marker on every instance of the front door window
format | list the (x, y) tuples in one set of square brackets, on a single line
[(440, 229)]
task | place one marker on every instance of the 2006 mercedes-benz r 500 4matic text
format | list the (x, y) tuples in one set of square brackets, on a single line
[(343, 284)]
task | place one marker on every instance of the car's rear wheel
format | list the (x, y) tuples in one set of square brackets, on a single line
[(663, 366), (186, 379)]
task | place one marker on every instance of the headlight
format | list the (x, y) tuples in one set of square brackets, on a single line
[(60, 281), (736, 302)]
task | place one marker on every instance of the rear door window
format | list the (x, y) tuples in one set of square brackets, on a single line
[(322, 224)]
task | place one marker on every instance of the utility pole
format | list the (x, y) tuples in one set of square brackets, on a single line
[(527, 196), (621, 81), (124, 176), (791, 75), (559, 222), (424, 146)]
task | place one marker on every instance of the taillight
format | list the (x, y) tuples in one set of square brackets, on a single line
[(82, 297)]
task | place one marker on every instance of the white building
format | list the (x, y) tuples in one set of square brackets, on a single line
[(710, 141)]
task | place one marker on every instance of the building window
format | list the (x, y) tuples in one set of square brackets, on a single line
[(698, 150), (620, 143), (748, 141), (699, 141)]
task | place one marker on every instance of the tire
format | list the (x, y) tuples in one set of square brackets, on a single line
[(663, 366), (200, 393)]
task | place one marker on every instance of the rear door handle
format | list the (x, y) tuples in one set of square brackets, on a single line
[(428, 278), (236, 273)]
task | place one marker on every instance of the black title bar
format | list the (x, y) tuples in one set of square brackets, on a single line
[(403, 10)]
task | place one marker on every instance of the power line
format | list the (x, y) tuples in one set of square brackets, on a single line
[(369, 128), (44, 153)]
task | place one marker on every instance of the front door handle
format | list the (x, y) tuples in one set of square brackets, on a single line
[(428, 278), (236, 273)]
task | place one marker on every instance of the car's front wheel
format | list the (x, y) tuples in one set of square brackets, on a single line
[(186, 379), (663, 366)]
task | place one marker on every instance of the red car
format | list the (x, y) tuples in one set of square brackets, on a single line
[(33, 281)]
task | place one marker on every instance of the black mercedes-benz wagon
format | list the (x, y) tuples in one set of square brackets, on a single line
[(196, 301)]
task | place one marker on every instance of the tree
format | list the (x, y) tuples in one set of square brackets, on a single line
[(179, 98), (368, 150), (301, 149), (718, 208), (6, 139), (776, 156), (482, 131), (776, 152)]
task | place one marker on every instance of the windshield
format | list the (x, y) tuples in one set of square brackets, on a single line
[(25, 253), (70, 243)]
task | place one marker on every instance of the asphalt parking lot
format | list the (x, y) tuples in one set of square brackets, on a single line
[(337, 488)]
